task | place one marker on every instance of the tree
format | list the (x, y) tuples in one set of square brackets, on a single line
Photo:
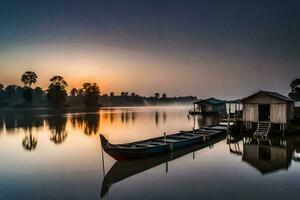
[(27, 94), (156, 95), (57, 93), (124, 94), (91, 94), (133, 94), (2, 91), (295, 87), (28, 78), (74, 92), (39, 92), (10, 91), (112, 94), (164, 95)]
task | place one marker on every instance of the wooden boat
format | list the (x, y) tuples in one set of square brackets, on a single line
[(158, 145), (123, 169)]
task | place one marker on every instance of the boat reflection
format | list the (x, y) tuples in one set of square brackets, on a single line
[(126, 168)]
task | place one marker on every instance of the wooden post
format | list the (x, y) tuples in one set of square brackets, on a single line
[(165, 138), (103, 165), (194, 122), (228, 121), (167, 167), (235, 113)]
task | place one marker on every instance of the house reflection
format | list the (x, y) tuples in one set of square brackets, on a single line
[(267, 155)]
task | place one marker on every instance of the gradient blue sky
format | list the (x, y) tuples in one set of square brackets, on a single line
[(225, 49)]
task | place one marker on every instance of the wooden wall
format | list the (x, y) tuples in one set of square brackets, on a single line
[(280, 111), (250, 112)]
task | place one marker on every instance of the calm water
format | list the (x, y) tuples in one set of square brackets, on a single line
[(58, 156)]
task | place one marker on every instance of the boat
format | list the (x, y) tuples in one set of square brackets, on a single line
[(164, 144), (124, 169)]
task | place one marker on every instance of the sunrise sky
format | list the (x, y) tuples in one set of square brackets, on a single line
[(225, 49)]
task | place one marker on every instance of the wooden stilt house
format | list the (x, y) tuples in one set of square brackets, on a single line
[(265, 108)]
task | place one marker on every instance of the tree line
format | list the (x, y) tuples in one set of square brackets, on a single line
[(88, 95), (56, 94)]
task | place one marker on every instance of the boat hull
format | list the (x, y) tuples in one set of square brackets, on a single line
[(134, 153)]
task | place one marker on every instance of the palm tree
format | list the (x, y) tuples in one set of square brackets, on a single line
[(28, 78)]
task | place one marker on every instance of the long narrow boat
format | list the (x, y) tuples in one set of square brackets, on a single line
[(123, 169), (158, 145)]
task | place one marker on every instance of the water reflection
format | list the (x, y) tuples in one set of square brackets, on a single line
[(32, 161), (25, 122), (89, 123), (57, 126), (268, 155), (126, 168), (29, 142)]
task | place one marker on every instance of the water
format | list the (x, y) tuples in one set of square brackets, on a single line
[(58, 156)]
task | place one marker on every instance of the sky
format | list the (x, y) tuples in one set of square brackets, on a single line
[(223, 49)]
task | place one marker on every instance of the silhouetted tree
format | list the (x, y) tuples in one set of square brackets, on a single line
[(295, 87), (39, 92), (28, 78), (2, 91), (57, 93), (124, 94), (112, 94), (74, 92), (90, 92), (133, 94), (156, 95), (164, 95), (27, 94), (10, 91)]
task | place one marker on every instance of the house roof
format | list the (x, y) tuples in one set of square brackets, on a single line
[(212, 101), (273, 94)]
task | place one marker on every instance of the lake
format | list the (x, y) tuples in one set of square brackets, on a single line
[(51, 155)]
